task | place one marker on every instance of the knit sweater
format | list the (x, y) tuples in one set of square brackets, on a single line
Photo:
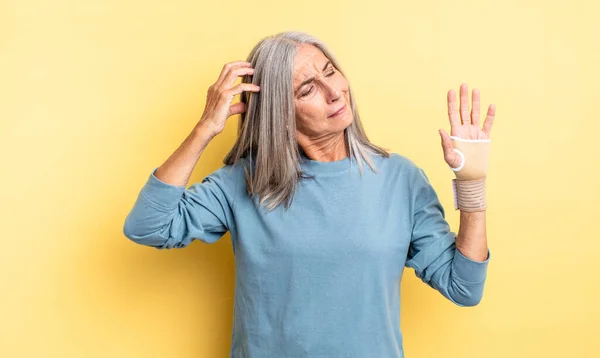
[(322, 277)]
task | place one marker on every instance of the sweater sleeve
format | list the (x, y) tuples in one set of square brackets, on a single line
[(433, 253), (167, 216)]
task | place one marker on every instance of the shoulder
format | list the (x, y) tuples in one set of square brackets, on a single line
[(228, 180), (399, 163), (404, 170), (229, 175)]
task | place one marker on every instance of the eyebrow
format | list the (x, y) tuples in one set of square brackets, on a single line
[(309, 80)]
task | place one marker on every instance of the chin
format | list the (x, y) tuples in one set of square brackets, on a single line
[(347, 120)]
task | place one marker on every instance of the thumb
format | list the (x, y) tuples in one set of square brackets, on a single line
[(450, 156), (446, 143), (237, 108)]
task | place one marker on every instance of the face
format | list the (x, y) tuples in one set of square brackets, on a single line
[(317, 101)]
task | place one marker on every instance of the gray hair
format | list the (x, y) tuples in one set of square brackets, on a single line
[(267, 129)]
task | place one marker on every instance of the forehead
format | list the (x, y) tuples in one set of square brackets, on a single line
[(309, 60)]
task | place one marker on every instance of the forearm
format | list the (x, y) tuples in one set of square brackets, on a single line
[(472, 238), (177, 169)]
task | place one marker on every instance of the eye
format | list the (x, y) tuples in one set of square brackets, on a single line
[(310, 90), (306, 93)]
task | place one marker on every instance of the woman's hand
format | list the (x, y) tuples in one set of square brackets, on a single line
[(465, 126), (220, 94)]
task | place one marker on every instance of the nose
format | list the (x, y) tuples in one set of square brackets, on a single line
[(332, 92)]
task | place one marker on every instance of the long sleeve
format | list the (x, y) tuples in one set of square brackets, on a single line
[(433, 253), (166, 216)]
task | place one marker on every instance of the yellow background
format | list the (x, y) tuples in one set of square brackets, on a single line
[(94, 94)]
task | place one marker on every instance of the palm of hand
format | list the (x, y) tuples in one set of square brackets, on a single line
[(462, 124)]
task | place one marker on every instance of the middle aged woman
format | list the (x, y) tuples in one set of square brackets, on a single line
[(320, 241)]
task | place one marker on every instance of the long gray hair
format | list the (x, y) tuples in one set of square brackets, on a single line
[(267, 129)]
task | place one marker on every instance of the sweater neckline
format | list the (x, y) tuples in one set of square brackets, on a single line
[(315, 166)]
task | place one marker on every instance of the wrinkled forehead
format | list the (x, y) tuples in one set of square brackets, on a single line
[(308, 62)]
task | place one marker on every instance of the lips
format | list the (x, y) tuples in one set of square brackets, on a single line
[(339, 111)]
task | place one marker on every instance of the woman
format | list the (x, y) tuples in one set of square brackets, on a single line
[(320, 241)]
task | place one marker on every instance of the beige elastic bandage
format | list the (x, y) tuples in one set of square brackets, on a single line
[(469, 185)]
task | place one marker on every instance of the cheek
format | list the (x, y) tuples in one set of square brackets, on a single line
[(310, 110)]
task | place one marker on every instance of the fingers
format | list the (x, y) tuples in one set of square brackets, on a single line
[(242, 87), (464, 104), (453, 112), (234, 73), (240, 107), (227, 68), (475, 107), (489, 119), (469, 119), (237, 108), (231, 71)]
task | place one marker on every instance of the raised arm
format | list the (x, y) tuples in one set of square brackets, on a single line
[(466, 151), (455, 265), (166, 214)]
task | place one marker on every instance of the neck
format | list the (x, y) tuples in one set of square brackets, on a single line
[(325, 149)]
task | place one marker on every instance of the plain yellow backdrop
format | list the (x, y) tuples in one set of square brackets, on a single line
[(94, 94)]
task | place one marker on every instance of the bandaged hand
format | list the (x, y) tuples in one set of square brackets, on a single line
[(467, 151)]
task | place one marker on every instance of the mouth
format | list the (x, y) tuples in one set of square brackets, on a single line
[(338, 112)]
